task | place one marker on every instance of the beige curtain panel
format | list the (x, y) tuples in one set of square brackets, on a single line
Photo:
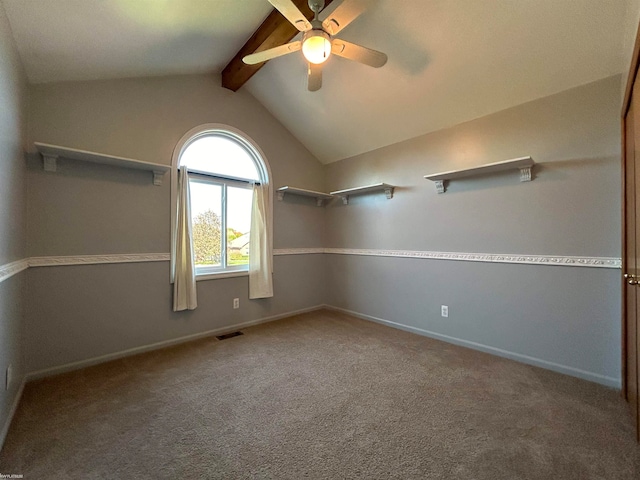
[(260, 250), (184, 274)]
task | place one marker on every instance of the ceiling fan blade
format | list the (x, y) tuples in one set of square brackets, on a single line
[(315, 77), (365, 55), (346, 13), (288, 9), (265, 55)]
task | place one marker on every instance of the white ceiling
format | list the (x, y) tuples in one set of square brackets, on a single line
[(60, 40), (449, 60)]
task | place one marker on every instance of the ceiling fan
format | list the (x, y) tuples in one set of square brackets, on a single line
[(318, 41)]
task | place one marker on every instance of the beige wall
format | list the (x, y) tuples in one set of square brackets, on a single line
[(565, 318), (12, 123), (144, 119), (558, 317), (632, 18), (12, 216), (574, 138), (81, 312)]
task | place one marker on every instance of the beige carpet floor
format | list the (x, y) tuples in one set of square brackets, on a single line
[(319, 396)]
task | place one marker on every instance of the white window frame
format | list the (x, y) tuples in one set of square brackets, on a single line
[(264, 171), (223, 182)]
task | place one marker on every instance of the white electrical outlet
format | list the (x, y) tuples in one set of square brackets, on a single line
[(8, 377), (444, 310), (236, 303)]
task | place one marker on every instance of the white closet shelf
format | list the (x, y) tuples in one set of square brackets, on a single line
[(319, 196), (523, 164), (51, 153), (376, 187)]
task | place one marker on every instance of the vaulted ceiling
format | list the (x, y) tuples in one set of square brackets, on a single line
[(449, 61)]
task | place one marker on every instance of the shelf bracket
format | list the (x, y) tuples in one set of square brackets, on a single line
[(319, 200), (377, 187), (525, 174), (51, 153), (524, 164), (49, 162), (158, 177), (389, 193)]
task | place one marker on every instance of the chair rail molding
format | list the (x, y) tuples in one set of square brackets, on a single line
[(556, 260), (298, 251), (10, 269), (52, 261)]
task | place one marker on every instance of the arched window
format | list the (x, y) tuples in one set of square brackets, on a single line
[(223, 166)]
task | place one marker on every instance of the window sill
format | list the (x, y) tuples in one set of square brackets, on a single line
[(216, 276)]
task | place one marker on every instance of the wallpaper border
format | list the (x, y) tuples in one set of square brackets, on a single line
[(568, 261), (13, 268), (52, 261), (10, 269)]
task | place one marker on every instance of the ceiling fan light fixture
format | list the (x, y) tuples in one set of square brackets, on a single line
[(316, 46)]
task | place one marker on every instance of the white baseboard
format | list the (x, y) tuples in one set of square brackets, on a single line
[(68, 367), (538, 362), (12, 412)]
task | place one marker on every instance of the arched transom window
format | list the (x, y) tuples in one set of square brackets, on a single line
[(223, 166)]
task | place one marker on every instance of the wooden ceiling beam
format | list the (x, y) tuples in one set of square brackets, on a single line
[(274, 31)]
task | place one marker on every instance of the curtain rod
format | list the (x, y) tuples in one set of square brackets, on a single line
[(226, 177)]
